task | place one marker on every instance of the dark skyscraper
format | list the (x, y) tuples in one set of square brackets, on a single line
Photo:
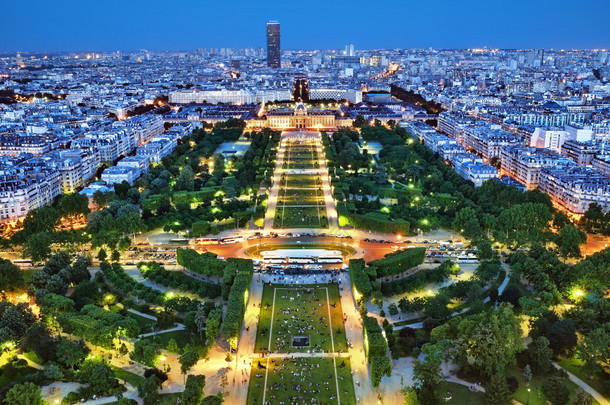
[(273, 44)]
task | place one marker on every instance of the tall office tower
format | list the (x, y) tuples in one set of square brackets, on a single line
[(273, 44), (349, 50)]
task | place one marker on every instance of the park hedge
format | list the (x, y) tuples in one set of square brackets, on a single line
[(179, 281), (236, 305), (376, 345), (97, 326), (359, 278), (398, 262), (206, 263), (417, 281), (372, 223)]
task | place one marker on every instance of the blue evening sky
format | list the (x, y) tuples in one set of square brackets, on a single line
[(86, 25)]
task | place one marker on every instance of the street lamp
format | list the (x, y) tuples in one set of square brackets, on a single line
[(528, 396)]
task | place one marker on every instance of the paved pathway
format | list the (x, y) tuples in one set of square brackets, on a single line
[(598, 397)]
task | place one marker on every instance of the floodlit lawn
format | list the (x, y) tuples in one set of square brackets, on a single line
[(301, 181), (460, 394), (574, 366), (27, 273), (301, 380), (169, 399), (182, 337), (301, 217), (127, 376), (535, 395), (301, 311), (145, 324)]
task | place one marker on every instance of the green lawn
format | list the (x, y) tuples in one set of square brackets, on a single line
[(301, 311), (535, 395), (574, 366), (144, 323), (301, 380), (127, 376), (182, 337), (169, 399), (460, 394), (300, 217)]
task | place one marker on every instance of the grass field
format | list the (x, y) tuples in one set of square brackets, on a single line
[(127, 376), (574, 366), (300, 217), (301, 199), (301, 380), (535, 395), (301, 311), (182, 337), (460, 394)]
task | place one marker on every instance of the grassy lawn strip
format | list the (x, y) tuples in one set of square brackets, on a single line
[(301, 379), (127, 376), (574, 366), (460, 394), (535, 395), (306, 315), (182, 337)]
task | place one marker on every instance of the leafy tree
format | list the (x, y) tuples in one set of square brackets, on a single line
[(73, 205), (428, 376), (38, 246), (581, 397), (98, 375), (487, 342), (102, 255), (26, 394), (70, 353), (527, 374), (555, 391), (53, 372), (562, 336), (541, 356), (409, 396), (594, 350), (11, 276), (497, 391), (148, 390), (115, 256), (172, 346), (193, 390), (146, 352), (187, 360), (467, 223), (569, 240)]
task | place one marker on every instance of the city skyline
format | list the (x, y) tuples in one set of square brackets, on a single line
[(81, 28)]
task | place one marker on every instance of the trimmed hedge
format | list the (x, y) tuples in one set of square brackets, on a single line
[(398, 262), (126, 285), (98, 326), (206, 263), (180, 281), (399, 226), (236, 305), (417, 281), (359, 278)]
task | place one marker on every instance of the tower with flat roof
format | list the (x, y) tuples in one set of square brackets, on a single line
[(273, 44)]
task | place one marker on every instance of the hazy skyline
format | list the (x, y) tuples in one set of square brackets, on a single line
[(155, 25)]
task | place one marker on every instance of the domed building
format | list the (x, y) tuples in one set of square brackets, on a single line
[(301, 118)]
